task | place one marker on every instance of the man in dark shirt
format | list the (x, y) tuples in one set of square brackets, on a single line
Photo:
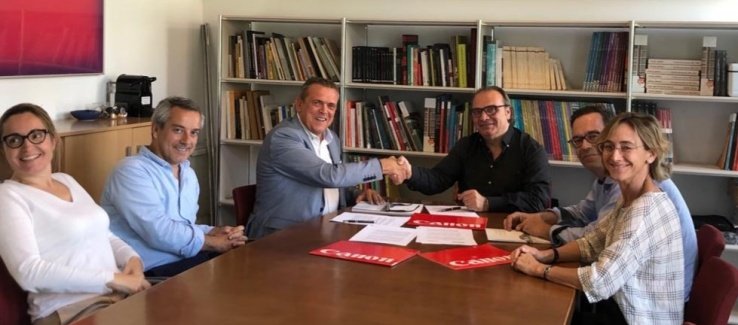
[(498, 168)]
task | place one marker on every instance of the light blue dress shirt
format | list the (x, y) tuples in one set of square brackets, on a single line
[(152, 211)]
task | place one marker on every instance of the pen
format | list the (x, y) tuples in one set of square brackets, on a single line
[(452, 209), (358, 221)]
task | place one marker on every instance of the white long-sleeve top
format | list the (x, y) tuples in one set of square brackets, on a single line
[(60, 252)]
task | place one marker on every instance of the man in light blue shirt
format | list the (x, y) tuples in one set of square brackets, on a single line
[(562, 225), (151, 198)]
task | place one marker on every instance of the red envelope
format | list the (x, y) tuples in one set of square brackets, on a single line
[(430, 220), (469, 257), (366, 253)]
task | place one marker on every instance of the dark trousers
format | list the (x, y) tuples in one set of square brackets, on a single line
[(180, 266), (604, 312)]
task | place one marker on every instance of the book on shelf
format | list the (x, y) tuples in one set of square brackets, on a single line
[(548, 122), (253, 54), (721, 73), (673, 76), (726, 157), (429, 124), (526, 68), (250, 114), (707, 66), (729, 155), (460, 45), (605, 65), (640, 55), (411, 125)]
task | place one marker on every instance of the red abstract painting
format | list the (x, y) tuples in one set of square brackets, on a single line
[(49, 37)]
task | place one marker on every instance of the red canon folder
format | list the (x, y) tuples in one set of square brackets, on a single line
[(366, 253), (469, 257), (430, 220)]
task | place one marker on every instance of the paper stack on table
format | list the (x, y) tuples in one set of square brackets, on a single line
[(513, 236)]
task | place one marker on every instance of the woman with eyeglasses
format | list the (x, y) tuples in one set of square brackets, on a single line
[(498, 168), (54, 239), (634, 256)]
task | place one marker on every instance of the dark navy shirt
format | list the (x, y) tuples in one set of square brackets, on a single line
[(518, 180)]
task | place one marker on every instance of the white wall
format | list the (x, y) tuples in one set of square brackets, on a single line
[(154, 38), (534, 10)]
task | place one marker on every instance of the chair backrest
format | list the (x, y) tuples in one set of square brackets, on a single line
[(13, 300), (714, 292), (710, 242), (244, 198)]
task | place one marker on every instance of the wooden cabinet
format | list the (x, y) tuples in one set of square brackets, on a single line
[(89, 152)]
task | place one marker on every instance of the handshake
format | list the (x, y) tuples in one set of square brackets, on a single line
[(398, 169)]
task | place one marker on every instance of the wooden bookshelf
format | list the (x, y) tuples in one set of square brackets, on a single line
[(699, 122)]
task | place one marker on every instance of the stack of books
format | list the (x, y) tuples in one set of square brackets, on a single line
[(673, 77)]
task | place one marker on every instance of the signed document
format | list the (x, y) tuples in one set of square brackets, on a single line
[(445, 236), (370, 219), (385, 235)]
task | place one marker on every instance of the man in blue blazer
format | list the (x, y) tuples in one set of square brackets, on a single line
[(299, 172)]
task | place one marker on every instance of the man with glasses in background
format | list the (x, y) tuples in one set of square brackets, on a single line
[(498, 168), (562, 225)]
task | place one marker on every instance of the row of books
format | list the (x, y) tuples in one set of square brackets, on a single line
[(531, 68), (439, 65), (396, 126), (548, 122), (250, 114), (729, 156), (606, 62), (252, 54)]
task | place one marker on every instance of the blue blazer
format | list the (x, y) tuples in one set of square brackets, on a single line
[(290, 178)]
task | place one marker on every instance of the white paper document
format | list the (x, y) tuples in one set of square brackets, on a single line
[(445, 236), (513, 236), (385, 235), (388, 208), (450, 210), (370, 219)]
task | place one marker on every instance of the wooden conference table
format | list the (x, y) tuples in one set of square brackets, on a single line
[(275, 281)]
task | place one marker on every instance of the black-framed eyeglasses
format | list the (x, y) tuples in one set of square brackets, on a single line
[(490, 110), (15, 140), (591, 137), (625, 148)]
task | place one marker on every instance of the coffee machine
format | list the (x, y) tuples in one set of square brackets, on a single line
[(135, 93)]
